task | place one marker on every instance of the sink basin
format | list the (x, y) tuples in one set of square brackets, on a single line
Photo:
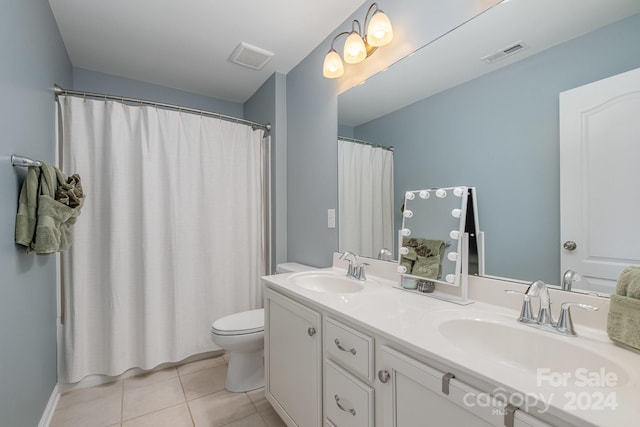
[(528, 349), (328, 282)]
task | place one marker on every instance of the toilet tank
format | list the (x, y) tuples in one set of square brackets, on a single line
[(291, 267)]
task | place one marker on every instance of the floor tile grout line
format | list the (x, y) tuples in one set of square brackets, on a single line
[(121, 402), (186, 402)]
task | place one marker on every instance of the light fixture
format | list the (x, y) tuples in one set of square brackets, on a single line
[(359, 46)]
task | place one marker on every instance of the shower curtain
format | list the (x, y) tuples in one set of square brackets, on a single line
[(171, 235), (365, 198)]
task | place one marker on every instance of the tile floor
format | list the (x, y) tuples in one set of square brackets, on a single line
[(190, 395)]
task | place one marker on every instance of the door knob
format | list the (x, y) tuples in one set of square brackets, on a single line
[(570, 245)]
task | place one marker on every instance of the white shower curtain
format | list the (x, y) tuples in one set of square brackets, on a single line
[(170, 236), (365, 198)]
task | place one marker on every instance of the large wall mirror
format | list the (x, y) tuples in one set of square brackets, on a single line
[(480, 106)]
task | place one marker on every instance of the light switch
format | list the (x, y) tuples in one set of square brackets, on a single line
[(331, 218)]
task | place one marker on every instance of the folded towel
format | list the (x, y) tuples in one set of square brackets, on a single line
[(436, 247), (629, 283), (406, 263), (26, 217), (623, 321), (428, 267), (411, 242)]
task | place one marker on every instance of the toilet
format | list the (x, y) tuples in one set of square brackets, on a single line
[(242, 335)]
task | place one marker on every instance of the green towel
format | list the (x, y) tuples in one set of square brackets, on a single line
[(623, 321), (427, 267), (52, 229), (26, 217), (629, 283)]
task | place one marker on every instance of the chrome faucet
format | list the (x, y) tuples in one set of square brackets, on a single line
[(544, 319), (385, 254), (540, 289), (353, 260), (354, 270), (568, 278)]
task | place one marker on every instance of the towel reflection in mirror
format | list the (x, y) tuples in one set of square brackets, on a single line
[(422, 257)]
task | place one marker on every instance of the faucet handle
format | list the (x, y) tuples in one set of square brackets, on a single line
[(526, 314), (359, 271), (565, 324)]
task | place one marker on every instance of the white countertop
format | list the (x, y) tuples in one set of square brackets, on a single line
[(413, 321)]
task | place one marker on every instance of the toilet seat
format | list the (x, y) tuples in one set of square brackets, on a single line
[(243, 323)]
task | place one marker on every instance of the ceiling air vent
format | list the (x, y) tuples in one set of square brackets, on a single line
[(250, 56), (503, 53)]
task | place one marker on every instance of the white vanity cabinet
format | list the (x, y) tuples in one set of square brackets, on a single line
[(293, 360), (348, 376), (323, 370), (415, 394)]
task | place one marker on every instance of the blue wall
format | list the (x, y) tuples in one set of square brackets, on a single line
[(93, 81), (269, 105), (500, 133), (33, 59)]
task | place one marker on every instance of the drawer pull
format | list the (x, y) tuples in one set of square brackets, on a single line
[(311, 331), (342, 408), (384, 376), (351, 350)]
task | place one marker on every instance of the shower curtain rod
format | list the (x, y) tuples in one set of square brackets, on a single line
[(360, 141), (60, 91)]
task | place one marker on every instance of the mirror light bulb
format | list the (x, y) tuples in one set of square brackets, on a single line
[(440, 193), (409, 195), (407, 213), (424, 194), (405, 232), (404, 250), (459, 191), (402, 269), (452, 256), (451, 278), (456, 213), (455, 234)]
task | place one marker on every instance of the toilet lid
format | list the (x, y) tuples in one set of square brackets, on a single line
[(245, 322)]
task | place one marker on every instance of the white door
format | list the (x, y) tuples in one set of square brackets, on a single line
[(599, 179)]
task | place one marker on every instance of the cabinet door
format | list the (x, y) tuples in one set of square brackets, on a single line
[(412, 396), (293, 361)]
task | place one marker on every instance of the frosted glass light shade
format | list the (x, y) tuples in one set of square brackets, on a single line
[(379, 31), (333, 66), (354, 49)]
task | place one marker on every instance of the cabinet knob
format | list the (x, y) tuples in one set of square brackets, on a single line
[(311, 331), (384, 376), (570, 245)]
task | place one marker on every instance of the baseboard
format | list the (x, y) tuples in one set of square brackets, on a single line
[(47, 415)]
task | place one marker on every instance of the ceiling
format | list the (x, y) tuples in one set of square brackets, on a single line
[(456, 57), (185, 44)]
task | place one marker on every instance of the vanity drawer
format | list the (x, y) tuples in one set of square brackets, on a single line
[(350, 348), (348, 401)]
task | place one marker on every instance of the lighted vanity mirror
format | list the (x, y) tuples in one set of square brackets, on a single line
[(430, 241)]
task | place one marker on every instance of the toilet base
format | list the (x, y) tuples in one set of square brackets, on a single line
[(246, 371)]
